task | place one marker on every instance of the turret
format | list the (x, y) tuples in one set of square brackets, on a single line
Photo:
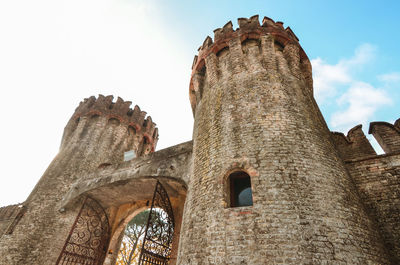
[(96, 136), (95, 116), (268, 185), (267, 37)]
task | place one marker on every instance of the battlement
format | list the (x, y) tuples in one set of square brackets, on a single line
[(226, 38), (249, 28), (353, 146), (120, 110), (356, 145), (387, 135)]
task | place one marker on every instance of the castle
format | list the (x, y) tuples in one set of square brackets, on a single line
[(263, 181)]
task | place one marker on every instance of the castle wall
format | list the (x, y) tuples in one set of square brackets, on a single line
[(353, 146), (387, 135), (377, 177), (254, 111), (378, 182)]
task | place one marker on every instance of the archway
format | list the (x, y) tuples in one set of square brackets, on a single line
[(123, 213), (148, 236), (127, 189)]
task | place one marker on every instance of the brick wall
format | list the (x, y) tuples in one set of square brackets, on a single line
[(378, 182), (353, 146), (387, 135)]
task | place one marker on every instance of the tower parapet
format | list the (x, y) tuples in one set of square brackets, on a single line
[(269, 35), (134, 119), (356, 146), (353, 146)]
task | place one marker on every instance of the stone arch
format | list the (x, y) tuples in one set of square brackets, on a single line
[(116, 238), (127, 189)]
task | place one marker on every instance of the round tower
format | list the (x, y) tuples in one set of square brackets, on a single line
[(96, 136), (258, 133)]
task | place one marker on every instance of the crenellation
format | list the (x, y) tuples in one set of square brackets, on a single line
[(233, 39), (268, 22), (387, 135), (207, 43), (120, 110), (279, 24), (249, 23), (291, 33), (397, 123), (353, 146), (224, 32), (194, 61)]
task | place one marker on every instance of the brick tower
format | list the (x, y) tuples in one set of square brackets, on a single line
[(252, 97), (95, 137)]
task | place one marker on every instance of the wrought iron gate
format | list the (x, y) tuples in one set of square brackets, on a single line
[(156, 248), (87, 242)]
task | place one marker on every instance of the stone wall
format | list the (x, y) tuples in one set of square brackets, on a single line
[(353, 146), (9, 217), (378, 181), (377, 177), (387, 135)]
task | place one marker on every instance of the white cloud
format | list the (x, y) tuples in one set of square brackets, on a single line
[(357, 100), (363, 54), (361, 101), (328, 77), (393, 77)]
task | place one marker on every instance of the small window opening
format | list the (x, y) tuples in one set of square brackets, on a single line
[(240, 187), (129, 155)]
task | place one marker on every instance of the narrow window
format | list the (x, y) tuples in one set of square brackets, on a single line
[(240, 188)]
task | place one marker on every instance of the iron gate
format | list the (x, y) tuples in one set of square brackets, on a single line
[(157, 242), (87, 242)]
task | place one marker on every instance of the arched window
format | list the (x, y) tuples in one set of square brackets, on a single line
[(240, 189)]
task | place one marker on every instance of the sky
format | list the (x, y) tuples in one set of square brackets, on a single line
[(55, 53)]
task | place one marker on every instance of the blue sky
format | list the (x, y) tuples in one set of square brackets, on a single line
[(331, 33), (55, 53)]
